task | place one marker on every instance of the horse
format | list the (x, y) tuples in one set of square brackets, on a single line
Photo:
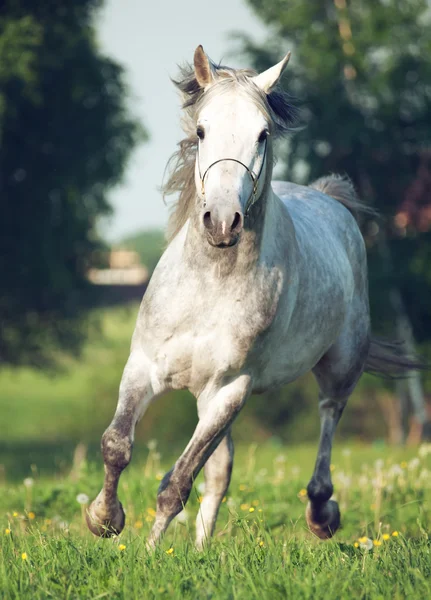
[(260, 283)]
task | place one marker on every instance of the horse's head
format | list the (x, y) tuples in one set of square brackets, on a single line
[(222, 169), (234, 156)]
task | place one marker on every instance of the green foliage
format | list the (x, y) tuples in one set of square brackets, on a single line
[(262, 549), (361, 76), (148, 244), (65, 136)]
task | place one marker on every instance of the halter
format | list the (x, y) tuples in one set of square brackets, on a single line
[(254, 178)]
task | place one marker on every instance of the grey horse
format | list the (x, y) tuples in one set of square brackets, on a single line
[(260, 283)]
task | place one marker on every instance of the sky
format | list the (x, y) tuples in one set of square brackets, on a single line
[(149, 38)]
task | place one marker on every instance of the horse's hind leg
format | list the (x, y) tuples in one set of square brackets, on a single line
[(218, 470), (337, 374), (323, 515), (105, 515)]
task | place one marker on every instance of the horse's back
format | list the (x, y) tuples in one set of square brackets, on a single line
[(321, 222)]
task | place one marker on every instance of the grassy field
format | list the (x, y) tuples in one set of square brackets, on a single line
[(262, 548)]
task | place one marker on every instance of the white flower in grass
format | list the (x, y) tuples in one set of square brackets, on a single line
[(395, 471), (424, 450), (343, 479), (28, 482), (152, 444), (82, 499), (413, 464), (201, 488), (424, 475), (365, 543)]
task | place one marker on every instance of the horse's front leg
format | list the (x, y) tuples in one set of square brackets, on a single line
[(105, 515), (175, 488), (323, 515), (218, 470)]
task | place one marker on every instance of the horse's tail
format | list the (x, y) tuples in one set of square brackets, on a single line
[(388, 358), (341, 188)]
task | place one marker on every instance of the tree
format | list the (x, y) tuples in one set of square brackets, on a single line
[(362, 78), (65, 136), (361, 75)]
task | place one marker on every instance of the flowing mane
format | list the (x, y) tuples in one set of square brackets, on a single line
[(276, 106)]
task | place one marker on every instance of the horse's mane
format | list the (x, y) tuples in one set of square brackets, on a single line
[(276, 106)]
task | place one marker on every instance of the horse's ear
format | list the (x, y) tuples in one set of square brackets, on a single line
[(203, 68), (269, 78)]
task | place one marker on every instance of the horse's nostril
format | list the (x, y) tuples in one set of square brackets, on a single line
[(207, 220), (236, 221)]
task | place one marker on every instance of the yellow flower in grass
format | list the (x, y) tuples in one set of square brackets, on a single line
[(377, 542), (200, 498), (395, 533), (31, 515), (121, 547), (7, 531), (244, 506), (24, 556), (170, 551), (14, 514), (242, 487), (261, 543), (386, 536), (251, 509), (138, 524), (151, 512), (224, 499), (159, 476), (302, 493), (356, 544), (403, 464)]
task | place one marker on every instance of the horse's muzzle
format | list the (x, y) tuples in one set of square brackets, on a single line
[(222, 230)]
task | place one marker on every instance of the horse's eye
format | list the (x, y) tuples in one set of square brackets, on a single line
[(200, 132), (262, 136)]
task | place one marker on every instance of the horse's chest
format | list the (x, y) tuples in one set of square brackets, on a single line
[(205, 340)]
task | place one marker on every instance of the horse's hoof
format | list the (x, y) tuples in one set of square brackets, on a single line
[(329, 522), (104, 527)]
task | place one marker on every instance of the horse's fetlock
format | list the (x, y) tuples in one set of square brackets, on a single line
[(116, 449), (319, 491)]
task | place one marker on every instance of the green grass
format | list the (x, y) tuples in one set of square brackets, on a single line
[(262, 548)]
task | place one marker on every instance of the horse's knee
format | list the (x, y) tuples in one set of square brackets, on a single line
[(116, 449)]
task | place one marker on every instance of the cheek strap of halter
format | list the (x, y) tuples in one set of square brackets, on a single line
[(254, 178)]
